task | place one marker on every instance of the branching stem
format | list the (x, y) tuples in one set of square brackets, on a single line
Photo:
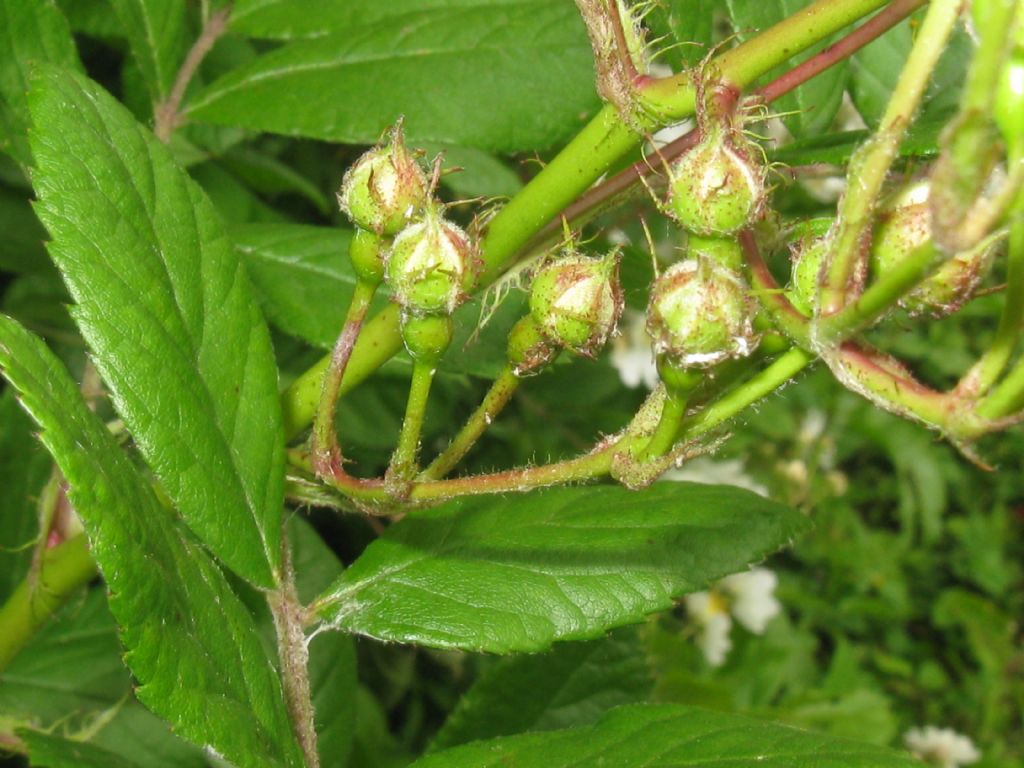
[(166, 115)]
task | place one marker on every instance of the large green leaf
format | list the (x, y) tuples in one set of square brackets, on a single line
[(191, 644), (23, 470), (50, 751), (33, 31), (574, 684), (517, 573), (514, 76), (157, 32), (671, 736), (813, 105), (164, 302)]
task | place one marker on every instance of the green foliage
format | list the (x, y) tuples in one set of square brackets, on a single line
[(190, 641), (474, 574), (525, 89), (668, 736), (124, 215), (148, 244)]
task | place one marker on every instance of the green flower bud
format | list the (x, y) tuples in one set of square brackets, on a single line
[(904, 226), (385, 188), (716, 188), (528, 351), (426, 337), (431, 265), (366, 251), (699, 314), (576, 300), (808, 256)]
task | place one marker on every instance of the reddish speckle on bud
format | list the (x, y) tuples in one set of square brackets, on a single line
[(576, 301), (700, 314), (431, 266), (385, 188), (905, 224), (717, 187)]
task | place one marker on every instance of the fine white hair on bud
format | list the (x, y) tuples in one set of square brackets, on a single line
[(700, 314), (619, 43), (431, 265), (385, 188), (576, 301), (904, 225)]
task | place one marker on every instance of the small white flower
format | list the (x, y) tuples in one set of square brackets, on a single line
[(943, 747), (753, 597), (750, 596), (632, 353), (712, 615), (712, 472)]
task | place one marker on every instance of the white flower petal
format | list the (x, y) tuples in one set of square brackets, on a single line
[(941, 746), (754, 603)]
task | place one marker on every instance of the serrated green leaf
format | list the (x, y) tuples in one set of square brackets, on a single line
[(23, 470), (813, 104), (504, 574), (157, 32), (164, 302), (191, 643), (269, 176), (673, 737), (572, 685), (516, 76), (32, 33)]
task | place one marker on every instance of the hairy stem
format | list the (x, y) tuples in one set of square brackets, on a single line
[(64, 570), (494, 402), (293, 656), (166, 114), (404, 460), (851, 237), (328, 460)]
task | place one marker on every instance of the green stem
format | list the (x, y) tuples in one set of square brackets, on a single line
[(326, 450), (664, 437), (598, 147), (993, 362), (494, 402), (1008, 396), (870, 164), (65, 569), (881, 295), (404, 459), (764, 383)]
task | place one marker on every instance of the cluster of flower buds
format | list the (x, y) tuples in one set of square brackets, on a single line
[(700, 314), (575, 304), (904, 226), (403, 239)]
